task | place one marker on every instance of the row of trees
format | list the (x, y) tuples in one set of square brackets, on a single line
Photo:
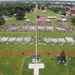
[(10, 9), (17, 9)]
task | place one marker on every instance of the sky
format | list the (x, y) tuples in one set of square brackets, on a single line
[(37, 0)]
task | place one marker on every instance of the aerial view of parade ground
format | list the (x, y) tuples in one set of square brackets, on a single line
[(37, 39)]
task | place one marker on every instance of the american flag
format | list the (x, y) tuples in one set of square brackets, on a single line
[(41, 19)]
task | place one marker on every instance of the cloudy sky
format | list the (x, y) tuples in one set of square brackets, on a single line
[(37, 0), (7, 0)]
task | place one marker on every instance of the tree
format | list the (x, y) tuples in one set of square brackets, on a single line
[(7, 13), (10, 9), (62, 56), (1, 14), (2, 21), (20, 15), (73, 20), (42, 7), (63, 13)]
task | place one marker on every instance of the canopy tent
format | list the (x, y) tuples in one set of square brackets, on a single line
[(53, 17), (63, 19), (48, 17), (27, 20), (44, 11), (48, 20)]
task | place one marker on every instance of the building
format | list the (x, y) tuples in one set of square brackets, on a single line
[(70, 10)]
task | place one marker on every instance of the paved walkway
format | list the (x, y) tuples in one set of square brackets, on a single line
[(11, 53)]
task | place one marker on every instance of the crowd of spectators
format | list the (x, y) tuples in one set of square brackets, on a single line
[(41, 27), (38, 23), (26, 26), (65, 28), (11, 28)]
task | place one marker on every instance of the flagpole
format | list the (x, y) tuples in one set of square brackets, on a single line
[(36, 41)]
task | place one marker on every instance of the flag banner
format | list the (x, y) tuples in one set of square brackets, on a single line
[(41, 19)]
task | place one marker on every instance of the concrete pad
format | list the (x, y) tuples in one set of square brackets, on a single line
[(36, 67)]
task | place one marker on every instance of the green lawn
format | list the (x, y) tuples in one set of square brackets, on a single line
[(51, 67), (10, 64)]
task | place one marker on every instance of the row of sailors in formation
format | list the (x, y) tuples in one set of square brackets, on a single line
[(38, 23), (28, 28), (16, 27), (65, 28), (33, 28), (40, 39)]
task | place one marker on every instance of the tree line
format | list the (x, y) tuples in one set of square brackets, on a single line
[(19, 9)]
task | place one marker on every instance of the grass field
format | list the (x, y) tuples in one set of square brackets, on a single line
[(18, 64)]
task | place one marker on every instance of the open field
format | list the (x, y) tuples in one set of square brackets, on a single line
[(18, 64)]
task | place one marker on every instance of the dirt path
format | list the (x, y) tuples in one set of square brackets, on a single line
[(1, 73), (21, 65)]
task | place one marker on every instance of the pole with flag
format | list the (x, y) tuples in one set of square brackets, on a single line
[(36, 39)]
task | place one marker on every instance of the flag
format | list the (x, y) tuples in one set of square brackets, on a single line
[(40, 19)]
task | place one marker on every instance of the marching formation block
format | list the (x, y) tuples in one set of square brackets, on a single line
[(17, 39), (41, 39)]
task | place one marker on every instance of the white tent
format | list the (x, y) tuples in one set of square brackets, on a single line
[(27, 20), (48, 20), (48, 17), (63, 19), (55, 17), (44, 11), (52, 17)]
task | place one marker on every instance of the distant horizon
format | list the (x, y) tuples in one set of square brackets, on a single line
[(37, 0)]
